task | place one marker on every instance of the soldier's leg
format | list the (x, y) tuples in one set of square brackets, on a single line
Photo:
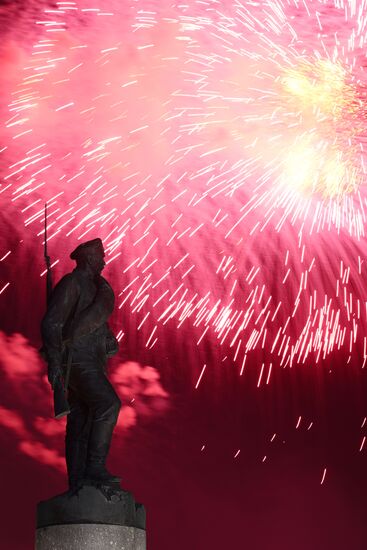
[(76, 440), (104, 406)]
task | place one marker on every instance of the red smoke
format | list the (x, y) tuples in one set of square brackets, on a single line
[(27, 400)]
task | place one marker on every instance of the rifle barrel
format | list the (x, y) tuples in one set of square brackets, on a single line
[(48, 262)]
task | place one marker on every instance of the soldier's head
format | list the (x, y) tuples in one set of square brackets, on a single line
[(90, 255)]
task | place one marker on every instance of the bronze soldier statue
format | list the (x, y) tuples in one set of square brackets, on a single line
[(75, 333)]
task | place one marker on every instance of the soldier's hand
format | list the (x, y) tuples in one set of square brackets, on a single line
[(54, 374)]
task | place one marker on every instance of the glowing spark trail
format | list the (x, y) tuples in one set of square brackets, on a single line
[(219, 152)]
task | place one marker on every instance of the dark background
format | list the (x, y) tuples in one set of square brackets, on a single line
[(180, 462)]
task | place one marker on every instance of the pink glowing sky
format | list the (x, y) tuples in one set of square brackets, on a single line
[(218, 150)]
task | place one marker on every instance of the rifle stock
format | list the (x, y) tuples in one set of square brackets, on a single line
[(61, 405)]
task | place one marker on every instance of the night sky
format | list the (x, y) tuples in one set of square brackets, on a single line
[(217, 148)]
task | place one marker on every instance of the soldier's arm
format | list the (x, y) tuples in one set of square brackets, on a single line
[(97, 314), (63, 301)]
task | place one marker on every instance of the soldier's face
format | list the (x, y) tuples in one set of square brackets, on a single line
[(96, 262)]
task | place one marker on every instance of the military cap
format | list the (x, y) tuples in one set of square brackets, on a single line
[(92, 246)]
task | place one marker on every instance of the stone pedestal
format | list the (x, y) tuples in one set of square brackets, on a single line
[(96, 518)]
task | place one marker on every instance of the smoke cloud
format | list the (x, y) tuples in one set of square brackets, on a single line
[(26, 400)]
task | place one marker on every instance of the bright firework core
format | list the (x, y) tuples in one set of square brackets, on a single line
[(213, 149), (329, 109)]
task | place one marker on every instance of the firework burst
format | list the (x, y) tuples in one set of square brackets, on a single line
[(212, 147)]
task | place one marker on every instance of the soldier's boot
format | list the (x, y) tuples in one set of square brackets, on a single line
[(75, 454), (98, 447)]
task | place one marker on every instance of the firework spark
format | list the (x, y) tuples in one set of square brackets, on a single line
[(219, 152)]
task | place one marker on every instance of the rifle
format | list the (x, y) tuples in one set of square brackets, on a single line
[(61, 405)]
